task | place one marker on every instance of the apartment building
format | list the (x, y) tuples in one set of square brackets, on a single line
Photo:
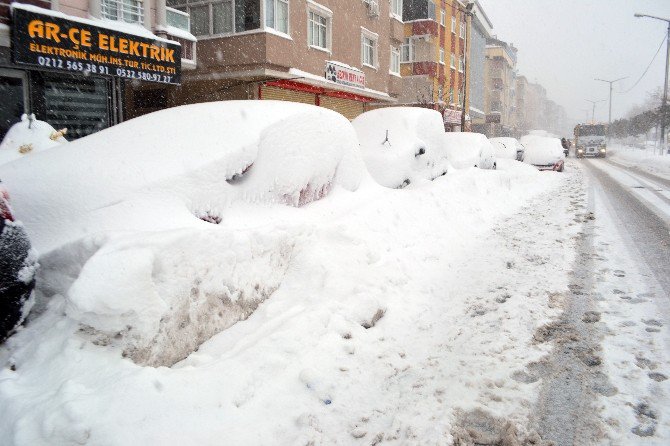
[(67, 61), (433, 57), (481, 30), (343, 55), (500, 85)]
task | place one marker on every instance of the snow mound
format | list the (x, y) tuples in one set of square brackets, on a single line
[(27, 137), (165, 169), (466, 149), (402, 145), (541, 150), (504, 147)]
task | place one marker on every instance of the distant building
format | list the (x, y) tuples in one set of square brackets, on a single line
[(433, 57), (480, 31), (500, 88)]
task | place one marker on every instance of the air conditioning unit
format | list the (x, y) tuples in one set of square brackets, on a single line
[(373, 7)]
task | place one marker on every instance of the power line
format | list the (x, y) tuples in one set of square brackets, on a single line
[(647, 69)]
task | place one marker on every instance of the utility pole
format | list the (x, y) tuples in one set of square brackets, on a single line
[(664, 112), (468, 15), (593, 112), (609, 121)]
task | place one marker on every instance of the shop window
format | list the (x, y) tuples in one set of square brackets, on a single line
[(276, 15), (131, 11), (154, 98)]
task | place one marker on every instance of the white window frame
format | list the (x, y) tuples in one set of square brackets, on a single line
[(442, 56), (374, 38), (264, 16), (408, 43), (395, 61), (323, 12), (443, 17), (396, 9), (461, 33), (453, 25), (210, 6), (123, 10), (461, 63), (452, 61)]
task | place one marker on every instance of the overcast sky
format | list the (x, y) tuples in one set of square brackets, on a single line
[(565, 44)]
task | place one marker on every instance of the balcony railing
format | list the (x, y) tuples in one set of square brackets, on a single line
[(131, 11), (178, 19)]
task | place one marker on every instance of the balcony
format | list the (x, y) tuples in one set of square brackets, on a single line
[(397, 32)]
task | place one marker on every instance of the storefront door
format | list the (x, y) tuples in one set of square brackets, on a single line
[(14, 94)]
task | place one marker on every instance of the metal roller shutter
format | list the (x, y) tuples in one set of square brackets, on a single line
[(283, 94), (349, 108)]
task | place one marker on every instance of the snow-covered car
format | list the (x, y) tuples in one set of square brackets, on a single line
[(544, 152), (201, 156), (402, 145), (509, 148), (17, 269), (467, 149), (29, 136)]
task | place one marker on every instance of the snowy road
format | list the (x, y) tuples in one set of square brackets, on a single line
[(610, 354)]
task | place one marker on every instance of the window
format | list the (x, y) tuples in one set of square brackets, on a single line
[(453, 61), (440, 92), (451, 95), (443, 17), (461, 63), (462, 30), (407, 50), (130, 11), (431, 11), (453, 25), (369, 48), (396, 8), (395, 61), (276, 15), (442, 56), (317, 31), (220, 17)]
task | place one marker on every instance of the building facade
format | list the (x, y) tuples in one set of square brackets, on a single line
[(66, 61), (500, 85), (340, 55), (481, 29), (433, 57)]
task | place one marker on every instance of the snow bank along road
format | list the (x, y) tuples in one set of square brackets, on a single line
[(505, 307)]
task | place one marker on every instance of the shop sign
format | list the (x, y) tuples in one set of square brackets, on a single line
[(345, 75), (452, 116), (56, 43), (493, 118)]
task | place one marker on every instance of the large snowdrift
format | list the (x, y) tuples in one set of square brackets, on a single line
[(402, 145), (466, 149), (159, 170), (343, 303)]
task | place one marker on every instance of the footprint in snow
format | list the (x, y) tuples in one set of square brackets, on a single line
[(619, 273)]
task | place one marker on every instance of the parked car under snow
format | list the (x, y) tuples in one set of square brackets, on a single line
[(467, 149), (509, 148), (544, 152), (402, 145)]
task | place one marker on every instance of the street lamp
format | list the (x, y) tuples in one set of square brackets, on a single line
[(609, 121), (665, 85), (593, 112)]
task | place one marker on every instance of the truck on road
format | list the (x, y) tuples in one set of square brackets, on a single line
[(590, 140)]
